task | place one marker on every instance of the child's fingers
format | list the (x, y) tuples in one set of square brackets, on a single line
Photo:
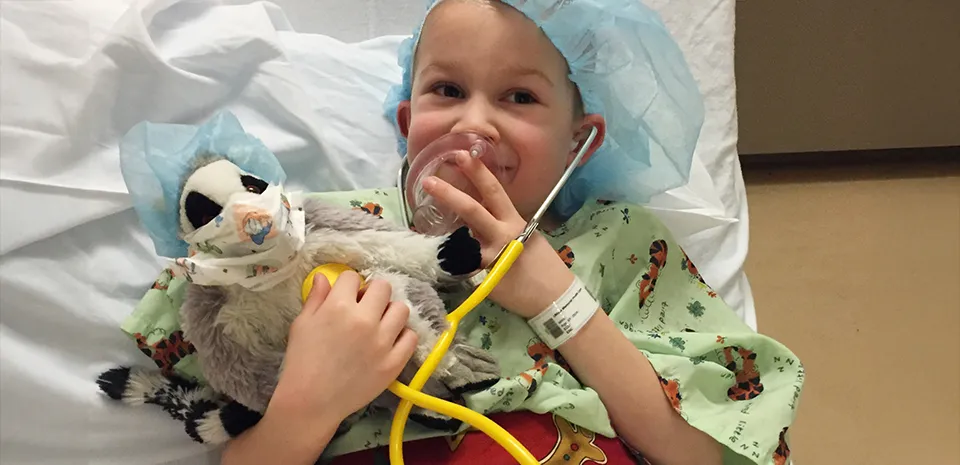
[(475, 215), (394, 320), (491, 191), (376, 298), (318, 293), (346, 287), (402, 352)]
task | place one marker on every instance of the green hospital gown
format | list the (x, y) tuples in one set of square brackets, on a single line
[(740, 387)]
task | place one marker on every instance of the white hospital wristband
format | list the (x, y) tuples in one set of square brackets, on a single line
[(564, 318)]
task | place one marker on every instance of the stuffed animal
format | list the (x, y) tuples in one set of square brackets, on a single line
[(251, 246)]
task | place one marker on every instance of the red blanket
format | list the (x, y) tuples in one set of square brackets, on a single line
[(550, 438)]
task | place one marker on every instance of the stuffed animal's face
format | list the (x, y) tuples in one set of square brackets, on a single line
[(210, 188)]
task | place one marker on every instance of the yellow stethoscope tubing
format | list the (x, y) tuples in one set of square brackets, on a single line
[(411, 394)]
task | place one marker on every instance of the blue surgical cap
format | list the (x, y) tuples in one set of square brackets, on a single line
[(156, 159), (629, 69)]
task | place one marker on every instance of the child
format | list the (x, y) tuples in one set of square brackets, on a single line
[(661, 364)]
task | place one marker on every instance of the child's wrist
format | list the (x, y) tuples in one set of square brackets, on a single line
[(544, 298), (552, 278), (301, 434), (566, 316), (296, 411)]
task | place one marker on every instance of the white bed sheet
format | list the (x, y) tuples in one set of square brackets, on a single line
[(74, 76)]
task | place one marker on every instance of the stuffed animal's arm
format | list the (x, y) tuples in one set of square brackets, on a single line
[(426, 258)]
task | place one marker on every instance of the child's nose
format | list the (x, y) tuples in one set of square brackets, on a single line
[(479, 117)]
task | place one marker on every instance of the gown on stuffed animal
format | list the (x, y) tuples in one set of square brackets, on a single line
[(251, 246)]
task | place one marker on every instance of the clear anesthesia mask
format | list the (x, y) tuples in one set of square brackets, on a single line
[(439, 159)]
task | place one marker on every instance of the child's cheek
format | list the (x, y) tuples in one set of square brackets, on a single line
[(541, 167), (425, 128), (538, 150)]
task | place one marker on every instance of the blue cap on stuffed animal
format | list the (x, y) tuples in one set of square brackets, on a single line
[(156, 160)]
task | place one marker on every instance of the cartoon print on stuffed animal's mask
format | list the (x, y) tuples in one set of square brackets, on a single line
[(260, 270), (185, 269), (254, 224)]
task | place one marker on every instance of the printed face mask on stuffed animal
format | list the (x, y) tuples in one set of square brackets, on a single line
[(239, 323), (240, 229)]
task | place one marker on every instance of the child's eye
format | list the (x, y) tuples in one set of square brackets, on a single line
[(523, 98), (448, 90)]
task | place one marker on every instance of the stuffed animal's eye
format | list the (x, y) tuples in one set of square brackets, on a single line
[(200, 209), (252, 184)]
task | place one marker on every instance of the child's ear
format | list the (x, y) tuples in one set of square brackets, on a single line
[(403, 117), (583, 132)]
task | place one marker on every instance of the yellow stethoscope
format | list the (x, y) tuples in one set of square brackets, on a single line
[(411, 395)]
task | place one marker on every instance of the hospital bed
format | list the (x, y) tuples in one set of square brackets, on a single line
[(308, 78)]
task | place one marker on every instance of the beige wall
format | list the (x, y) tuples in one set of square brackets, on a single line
[(819, 75), (857, 270)]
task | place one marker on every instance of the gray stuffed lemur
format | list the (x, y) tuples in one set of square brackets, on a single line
[(240, 335)]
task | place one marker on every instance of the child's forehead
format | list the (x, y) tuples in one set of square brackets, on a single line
[(456, 29)]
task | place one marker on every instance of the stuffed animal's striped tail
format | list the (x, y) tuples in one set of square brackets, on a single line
[(208, 418)]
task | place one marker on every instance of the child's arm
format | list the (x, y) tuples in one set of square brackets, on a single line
[(599, 354), (604, 359), (279, 438)]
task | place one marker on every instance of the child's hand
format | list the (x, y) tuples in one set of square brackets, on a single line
[(343, 349), (539, 276)]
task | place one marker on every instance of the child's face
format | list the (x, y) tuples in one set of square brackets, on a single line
[(485, 67)]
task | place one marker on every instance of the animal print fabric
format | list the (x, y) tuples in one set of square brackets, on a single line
[(740, 387)]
